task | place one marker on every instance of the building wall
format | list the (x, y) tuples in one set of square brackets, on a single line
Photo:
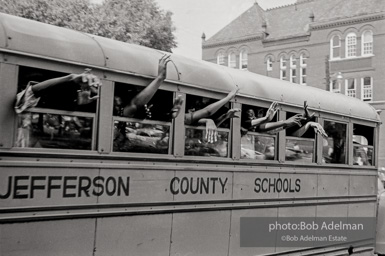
[(319, 69)]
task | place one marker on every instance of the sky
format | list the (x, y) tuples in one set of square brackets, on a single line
[(191, 18)]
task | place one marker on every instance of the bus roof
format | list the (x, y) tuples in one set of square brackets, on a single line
[(24, 36)]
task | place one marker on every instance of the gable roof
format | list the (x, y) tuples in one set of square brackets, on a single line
[(294, 19), (246, 25)]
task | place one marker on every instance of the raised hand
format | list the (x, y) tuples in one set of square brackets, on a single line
[(89, 83), (318, 128), (307, 114), (271, 111), (176, 107), (84, 97), (232, 113), (86, 80), (295, 120), (162, 68), (211, 131)]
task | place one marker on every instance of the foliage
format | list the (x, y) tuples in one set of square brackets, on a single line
[(134, 21)]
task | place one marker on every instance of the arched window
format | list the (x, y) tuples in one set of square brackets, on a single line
[(367, 43), (282, 64), (232, 60), (269, 64), (243, 60), (293, 69), (335, 47), (302, 71), (351, 45), (221, 58)]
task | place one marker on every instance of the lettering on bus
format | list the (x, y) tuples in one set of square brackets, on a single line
[(26, 187), (274, 185), (197, 185)]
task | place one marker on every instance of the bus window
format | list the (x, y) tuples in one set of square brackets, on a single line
[(58, 121), (334, 147), (148, 130), (300, 148), (363, 137), (196, 143), (256, 145)]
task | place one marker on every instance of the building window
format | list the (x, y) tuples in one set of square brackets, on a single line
[(243, 59), (293, 69), (351, 45), (367, 43), (282, 68), (221, 59), (269, 64), (335, 47), (367, 88), (350, 86), (302, 64), (335, 86), (232, 60)]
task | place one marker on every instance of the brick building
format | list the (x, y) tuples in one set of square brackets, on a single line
[(336, 45)]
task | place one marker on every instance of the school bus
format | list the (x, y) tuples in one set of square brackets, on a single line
[(83, 180)]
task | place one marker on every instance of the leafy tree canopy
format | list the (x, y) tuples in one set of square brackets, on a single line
[(134, 21)]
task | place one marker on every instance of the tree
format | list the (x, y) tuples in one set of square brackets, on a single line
[(134, 21)]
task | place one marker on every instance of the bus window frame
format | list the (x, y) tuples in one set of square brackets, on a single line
[(348, 141), (317, 140), (257, 103), (376, 131), (214, 95), (131, 80), (28, 62)]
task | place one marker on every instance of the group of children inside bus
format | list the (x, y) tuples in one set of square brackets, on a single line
[(88, 83)]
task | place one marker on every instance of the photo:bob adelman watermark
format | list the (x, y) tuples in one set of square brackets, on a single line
[(302, 232)]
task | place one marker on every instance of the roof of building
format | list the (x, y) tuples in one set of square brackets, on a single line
[(247, 24), (294, 19)]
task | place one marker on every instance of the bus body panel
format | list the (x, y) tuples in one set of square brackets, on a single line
[(32, 37), (69, 237), (135, 235)]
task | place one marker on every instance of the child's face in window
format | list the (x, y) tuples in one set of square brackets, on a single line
[(118, 101), (250, 114)]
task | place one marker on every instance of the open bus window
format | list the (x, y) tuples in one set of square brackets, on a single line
[(255, 145), (57, 121), (63, 96), (299, 148), (196, 143), (38, 130), (363, 137), (148, 129), (334, 147)]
